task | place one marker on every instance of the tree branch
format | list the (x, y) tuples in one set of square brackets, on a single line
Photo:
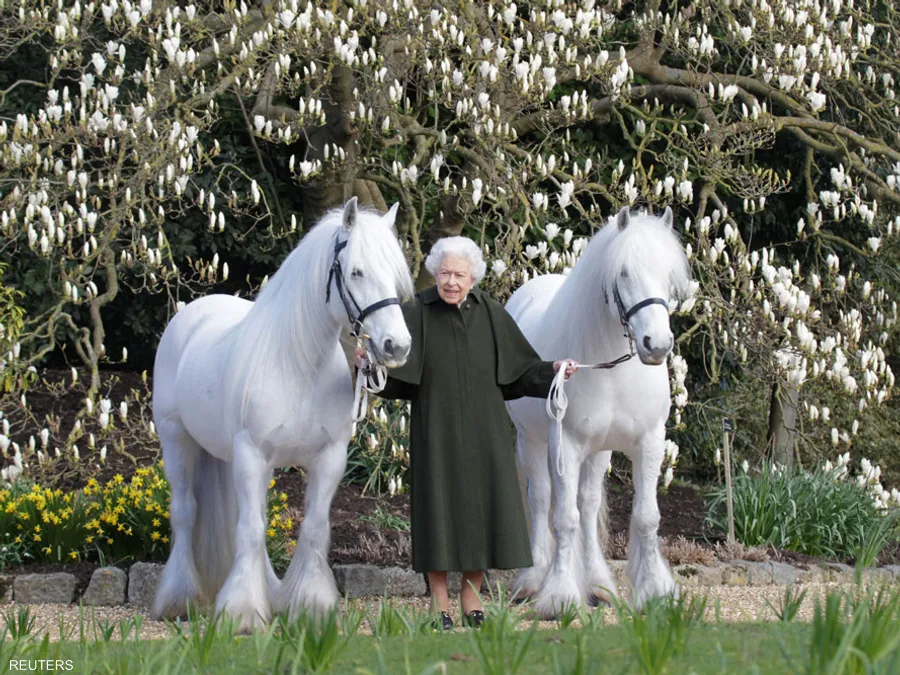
[(277, 114), (601, 109), (259, 158), (6, 91), (874, 182), (837, 130), (660, 74)]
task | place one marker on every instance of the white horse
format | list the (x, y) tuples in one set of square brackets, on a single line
[(612, 304), (241, 388)]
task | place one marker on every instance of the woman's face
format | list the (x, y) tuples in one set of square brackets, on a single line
[(454, 279)]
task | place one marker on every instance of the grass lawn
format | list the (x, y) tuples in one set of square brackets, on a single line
[(725, 648), (851, 633)]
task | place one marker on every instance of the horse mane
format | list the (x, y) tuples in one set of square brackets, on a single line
[(289, 329), (646, 249)]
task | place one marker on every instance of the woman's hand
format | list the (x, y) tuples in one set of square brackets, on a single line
[(360, 356), (571, 367)]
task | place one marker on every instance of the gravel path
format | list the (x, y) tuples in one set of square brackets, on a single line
[(729, 603)]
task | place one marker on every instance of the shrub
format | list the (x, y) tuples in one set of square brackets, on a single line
[(280, 527), (11, 324), (129, 519), (682, 551), (378, 456), (45, 524), (121, 520), (818, 513), (69, 434)]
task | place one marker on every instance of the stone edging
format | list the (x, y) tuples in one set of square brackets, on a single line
[(113, 586)]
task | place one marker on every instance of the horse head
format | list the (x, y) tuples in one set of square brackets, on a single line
[(369, 275), (650, 268)]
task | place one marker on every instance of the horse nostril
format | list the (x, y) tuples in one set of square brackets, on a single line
[(389, 347), (403, 352), (646, 342)]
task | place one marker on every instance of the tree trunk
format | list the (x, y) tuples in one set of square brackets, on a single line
[(783, 424), (448, 222), (337, 183)]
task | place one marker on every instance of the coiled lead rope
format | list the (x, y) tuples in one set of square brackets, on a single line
[(556, 405), (371, 378), (558, 402)]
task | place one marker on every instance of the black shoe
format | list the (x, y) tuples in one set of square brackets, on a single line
[(443, 622), (473, 619)]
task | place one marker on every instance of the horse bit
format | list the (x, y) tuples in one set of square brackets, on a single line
[(373, 375), (558, 402)]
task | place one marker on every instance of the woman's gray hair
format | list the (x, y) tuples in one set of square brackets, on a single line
[(458, 246)]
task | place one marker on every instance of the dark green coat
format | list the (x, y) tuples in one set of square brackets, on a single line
[(467, 511)]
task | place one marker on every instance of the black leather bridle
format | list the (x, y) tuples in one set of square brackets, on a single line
[(624, 316), (354, 313)]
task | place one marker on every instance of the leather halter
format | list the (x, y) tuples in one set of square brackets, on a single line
[(624, 316), (354, 313)]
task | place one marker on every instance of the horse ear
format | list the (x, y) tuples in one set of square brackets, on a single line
[(668, 218), (348, 220), (391, 216), (623, 217)]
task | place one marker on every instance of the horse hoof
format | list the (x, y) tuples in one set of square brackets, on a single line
[(555, 608), (171, 613)]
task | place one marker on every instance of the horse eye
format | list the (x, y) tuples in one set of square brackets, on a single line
[(357, 273), (624, 274)]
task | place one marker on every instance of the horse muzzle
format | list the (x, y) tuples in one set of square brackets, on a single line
[(391, 353), (654, 354)]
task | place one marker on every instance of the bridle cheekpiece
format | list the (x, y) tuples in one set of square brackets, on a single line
[(354, 313)]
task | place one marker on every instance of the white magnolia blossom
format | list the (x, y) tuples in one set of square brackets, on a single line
[(668, 476), (553, 68)]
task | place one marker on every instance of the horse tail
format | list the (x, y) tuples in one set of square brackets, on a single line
[(215, 522)]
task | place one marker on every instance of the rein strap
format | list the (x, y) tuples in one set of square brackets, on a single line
[(557, 400), (370, 378)]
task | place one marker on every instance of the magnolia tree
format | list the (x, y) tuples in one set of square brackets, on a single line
[(90, 176), (771, 127)]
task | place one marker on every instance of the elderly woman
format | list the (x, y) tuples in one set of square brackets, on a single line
[(467, 357)]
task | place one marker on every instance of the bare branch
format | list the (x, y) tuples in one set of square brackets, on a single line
[(19, 83), (837, 130)]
